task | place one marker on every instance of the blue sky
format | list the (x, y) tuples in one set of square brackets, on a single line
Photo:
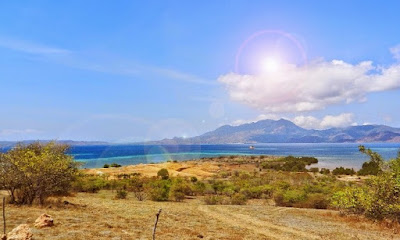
[(128, 71)]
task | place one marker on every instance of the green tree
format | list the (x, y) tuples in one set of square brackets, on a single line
[(37, 171), (374, 165)]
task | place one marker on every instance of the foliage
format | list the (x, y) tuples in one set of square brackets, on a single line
[(179, 189), (116, 165), (378, 198), (290, 164), (238, 199), (325, 171), (163, 174), (343, 171), (106, 165), (37, 171), (89, 183), (158, 190), (374, 165)]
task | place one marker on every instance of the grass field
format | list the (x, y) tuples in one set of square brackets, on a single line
[(99, 216)]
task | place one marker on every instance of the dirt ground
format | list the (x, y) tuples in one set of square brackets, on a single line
[(99, 216), (200, 168)]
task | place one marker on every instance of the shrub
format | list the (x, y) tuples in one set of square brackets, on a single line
[(121, 194), (262, 191), (193, 179), (116, 165), (314, 170), (317, 200), (88, 183), (343, 171), (213, 200), (325, 171), (238, 199), (369, 168), (158, 190), (106, 165), (199, 188), (179, 189), (163, 174)]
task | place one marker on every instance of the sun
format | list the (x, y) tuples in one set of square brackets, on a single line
[(270, 65)]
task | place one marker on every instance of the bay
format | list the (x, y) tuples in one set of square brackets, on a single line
[(330, 155)]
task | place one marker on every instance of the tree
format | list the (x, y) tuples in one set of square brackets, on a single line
[(37, 171), (374, 165)]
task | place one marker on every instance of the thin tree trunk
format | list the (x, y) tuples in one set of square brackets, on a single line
[(155, 224), (4, 215)]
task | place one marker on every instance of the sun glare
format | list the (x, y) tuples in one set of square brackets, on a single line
[(270, 65)]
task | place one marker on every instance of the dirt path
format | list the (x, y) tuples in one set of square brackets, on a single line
[(290, 223), (264, 228)]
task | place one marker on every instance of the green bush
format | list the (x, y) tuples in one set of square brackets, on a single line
[(158, 190), (325, 171), (116, 165), (343, 171), (314, 170), (193, 179), (378, 198), (369, 168), (179, 189), (106, 165), (238, 199), (163, 174), (89, 183)]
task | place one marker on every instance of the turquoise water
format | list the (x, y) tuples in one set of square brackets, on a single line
[(330, 155)]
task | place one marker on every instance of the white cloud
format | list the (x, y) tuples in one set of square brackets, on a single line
[(396, 52), (311, 87), (329, 121)]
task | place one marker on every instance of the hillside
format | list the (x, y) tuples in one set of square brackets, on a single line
[(284, 131)]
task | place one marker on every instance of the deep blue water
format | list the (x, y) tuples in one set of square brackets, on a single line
[(330, 155)]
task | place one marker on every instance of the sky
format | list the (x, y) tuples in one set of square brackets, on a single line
[(131, 71)]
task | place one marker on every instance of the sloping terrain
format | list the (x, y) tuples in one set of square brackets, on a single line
[(98, 216)]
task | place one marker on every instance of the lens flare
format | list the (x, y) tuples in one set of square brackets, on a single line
[(270, 65)]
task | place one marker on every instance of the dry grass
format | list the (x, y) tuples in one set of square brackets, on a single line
[(99, 216)]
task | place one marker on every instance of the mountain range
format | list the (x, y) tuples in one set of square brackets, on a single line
[(284, 131)]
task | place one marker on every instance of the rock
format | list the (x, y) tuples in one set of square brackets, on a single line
[(200, 236), (44, 221), (22, 232), (3, 237)]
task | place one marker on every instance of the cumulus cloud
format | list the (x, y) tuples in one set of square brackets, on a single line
[(329, 121), (312, 87)]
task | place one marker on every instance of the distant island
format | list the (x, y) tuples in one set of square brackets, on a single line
[(285, 131)]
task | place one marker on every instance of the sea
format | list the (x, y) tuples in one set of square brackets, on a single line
[(329, 155)]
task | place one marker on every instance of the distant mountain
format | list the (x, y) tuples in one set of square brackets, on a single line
[(284, 131), (5, 144)]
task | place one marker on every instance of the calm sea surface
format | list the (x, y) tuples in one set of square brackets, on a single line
[(330, 155)]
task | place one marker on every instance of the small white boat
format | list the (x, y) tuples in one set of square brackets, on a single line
[(251, 147)]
